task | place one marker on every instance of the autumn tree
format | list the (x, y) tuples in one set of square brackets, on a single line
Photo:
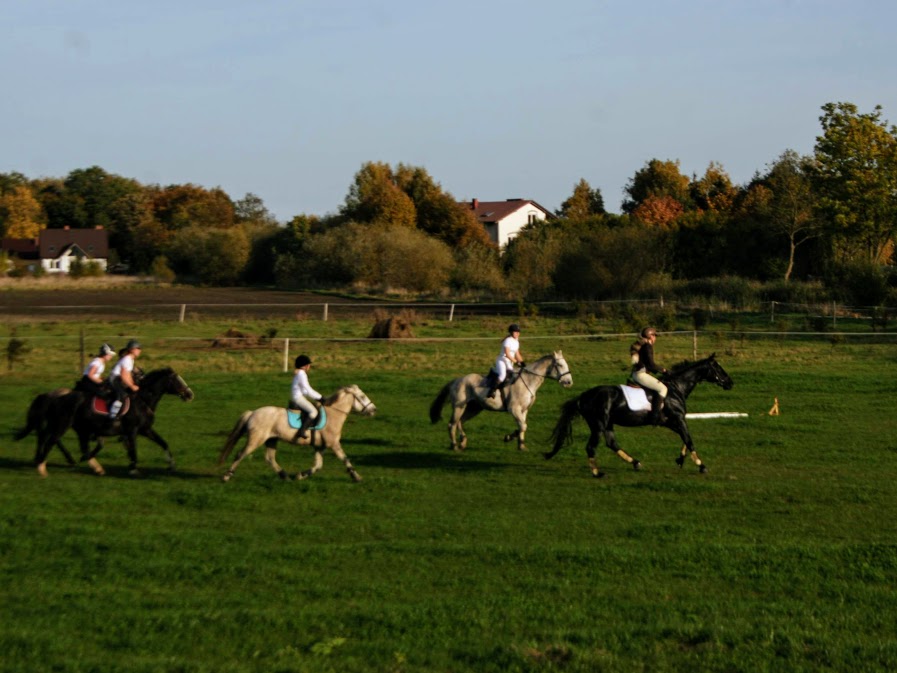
[(375, 198), (181, 206), (713, 191), (785, 201), (856, 178), (583, 204), (658, 211), (657, 178), (21, 215)]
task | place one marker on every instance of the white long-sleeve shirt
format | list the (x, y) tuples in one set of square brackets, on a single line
[(302, 388)]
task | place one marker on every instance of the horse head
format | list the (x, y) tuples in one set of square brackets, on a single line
[(716, 374), (561, 370), (362, 403), (169, 382)]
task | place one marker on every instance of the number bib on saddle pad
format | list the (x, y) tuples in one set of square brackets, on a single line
[(636, 398), (100, 406), (294, 418)]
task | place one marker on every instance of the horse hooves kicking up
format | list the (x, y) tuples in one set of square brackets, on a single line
[(703, 469), (636, 465)]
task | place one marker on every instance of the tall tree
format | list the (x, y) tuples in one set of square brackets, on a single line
[(375, 198), (785, 201), (657, 178), (856, 177), (584, 203), (21, 215), (251, 208), (714, 190), (181, 206)]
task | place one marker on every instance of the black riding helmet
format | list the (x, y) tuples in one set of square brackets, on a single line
[(513, 327), (301, 361)]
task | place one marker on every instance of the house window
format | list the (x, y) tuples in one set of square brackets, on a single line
[(532, 217)]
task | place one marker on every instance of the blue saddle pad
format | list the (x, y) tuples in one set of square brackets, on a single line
[(294, 418)]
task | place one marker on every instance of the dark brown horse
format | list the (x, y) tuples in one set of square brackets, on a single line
[(603, 407), (73, 410)]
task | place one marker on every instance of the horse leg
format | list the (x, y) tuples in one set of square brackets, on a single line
[(592, 443), (252, 443), (84, 442), (271, 459), (338, 450), (131, 446), (611, 440), (688, 447), (519, 433), (149, 433), (316, 466), (454, 427)]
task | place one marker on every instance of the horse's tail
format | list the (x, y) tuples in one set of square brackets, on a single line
[(235, 434), (563, 430), (439, 402), (35, 417)]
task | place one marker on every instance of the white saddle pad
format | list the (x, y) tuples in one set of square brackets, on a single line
[(636, 398)]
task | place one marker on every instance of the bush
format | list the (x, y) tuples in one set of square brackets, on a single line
[(160, 270), (477, 271)]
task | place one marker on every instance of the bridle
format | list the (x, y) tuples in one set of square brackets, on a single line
[(360, 399), (554, 366)]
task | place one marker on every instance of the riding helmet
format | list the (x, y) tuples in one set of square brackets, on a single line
[(302, 360), (106, 349), (648, 332), (132, 344), (513, 327)]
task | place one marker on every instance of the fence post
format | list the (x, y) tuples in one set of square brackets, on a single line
[(325, 312), (183, 311), (694, 344), (286, 355), (834, 316), (772, 311), (451, 312)]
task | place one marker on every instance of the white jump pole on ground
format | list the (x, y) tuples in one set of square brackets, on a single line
[(717, 414)]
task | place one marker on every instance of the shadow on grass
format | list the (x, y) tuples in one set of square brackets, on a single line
[(418, 460), (112, 471)]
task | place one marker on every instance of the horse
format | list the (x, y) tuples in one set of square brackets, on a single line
[(605, 406), (469, 396), (35, 421), (268, 424), (73, 410)]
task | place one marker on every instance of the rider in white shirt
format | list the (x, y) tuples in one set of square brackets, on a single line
[(507, 358), (91, 380), (301, 391), (122, 376)]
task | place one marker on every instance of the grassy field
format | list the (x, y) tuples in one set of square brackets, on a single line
[(781, 558)]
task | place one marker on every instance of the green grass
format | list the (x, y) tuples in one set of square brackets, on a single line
[(781, 558)]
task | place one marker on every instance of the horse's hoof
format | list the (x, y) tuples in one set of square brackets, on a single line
[(598, 474), (305, 474), (508, 438), (680, 461), (521, 447), (355, 476), (636, 465), (42, 471), (134, 472), (283, 475), (702, 469), (225, 478)]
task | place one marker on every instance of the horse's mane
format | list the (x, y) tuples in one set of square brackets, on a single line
[(330, 399), (687, 365), (151, 377)]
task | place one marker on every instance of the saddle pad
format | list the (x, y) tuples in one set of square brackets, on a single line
[(294, 418), (636, 398), (101, 406)]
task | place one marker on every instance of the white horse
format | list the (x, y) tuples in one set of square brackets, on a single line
[(469, 396), (268, 424)]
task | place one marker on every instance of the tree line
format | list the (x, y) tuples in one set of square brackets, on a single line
[(829, 218)]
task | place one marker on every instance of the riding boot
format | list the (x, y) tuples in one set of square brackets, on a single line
[(656, 418), (493, 388)]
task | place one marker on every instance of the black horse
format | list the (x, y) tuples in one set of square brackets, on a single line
[(605, 406), (74, 410)]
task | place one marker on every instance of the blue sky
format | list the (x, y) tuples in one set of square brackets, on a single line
[(496, 99)]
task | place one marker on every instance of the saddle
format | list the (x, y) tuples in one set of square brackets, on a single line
[(100, 406), (297, 418)]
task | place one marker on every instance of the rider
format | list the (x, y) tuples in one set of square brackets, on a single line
[(91, 381), (300, 392), (122, 376), (507, 358), (642, 354)]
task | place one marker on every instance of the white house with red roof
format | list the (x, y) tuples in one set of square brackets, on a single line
[(503, 220)]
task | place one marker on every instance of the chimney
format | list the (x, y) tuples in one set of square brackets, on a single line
[(474, 203), (99, 226), (66, 228)]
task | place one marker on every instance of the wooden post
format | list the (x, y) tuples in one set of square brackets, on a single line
[(286, 355), (451, 312), (183, 311), (694, 344), (772, 311), (834, 316), (325, 312)]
